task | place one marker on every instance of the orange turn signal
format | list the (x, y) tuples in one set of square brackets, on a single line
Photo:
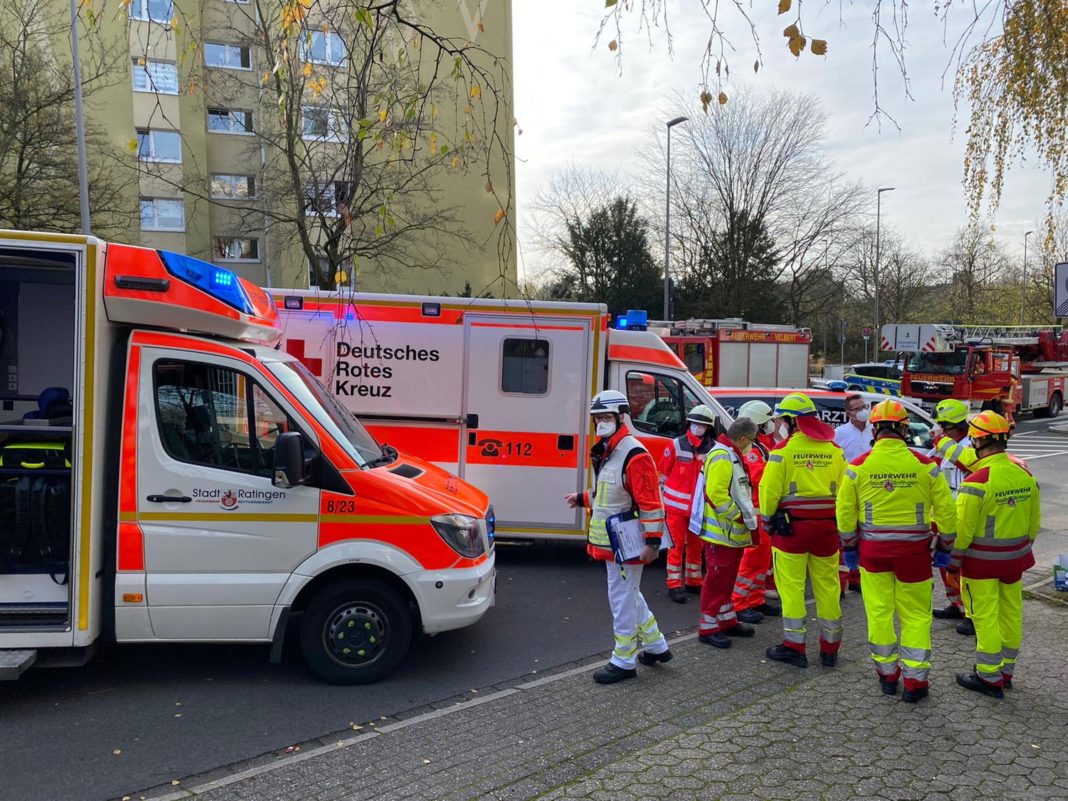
[(132, 598)]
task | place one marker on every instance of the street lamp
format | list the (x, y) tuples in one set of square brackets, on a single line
[(667, 220), (1023, 289), (79, 119), (878, 216)]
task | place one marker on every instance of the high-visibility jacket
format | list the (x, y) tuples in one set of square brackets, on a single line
[(998, 517), (728, 516), (888, 500), (956, 459), (802, 477), (625, 480), (756, 460), (681, 465)]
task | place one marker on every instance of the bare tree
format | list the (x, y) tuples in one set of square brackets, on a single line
[(979, 270), (906, 279)]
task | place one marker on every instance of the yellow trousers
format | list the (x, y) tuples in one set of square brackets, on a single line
[(996, 609), (790, 572), (884, 595)]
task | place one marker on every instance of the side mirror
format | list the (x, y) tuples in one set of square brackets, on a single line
[(290, 465)]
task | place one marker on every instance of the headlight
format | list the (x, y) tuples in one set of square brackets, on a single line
[(461, 533)]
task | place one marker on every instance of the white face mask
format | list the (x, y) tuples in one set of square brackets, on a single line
[(768, 427), (698, 430), (862, 416), (606, 428), (783, 431)]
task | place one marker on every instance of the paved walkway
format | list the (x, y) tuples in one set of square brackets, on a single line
[(711, 724)]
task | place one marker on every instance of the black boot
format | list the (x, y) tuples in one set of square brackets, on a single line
[(769, 610), (951, 612), (966, 627), (914, 696), (750, 616), (717, 639), (677, 594), (828, 659), (740, 630), (693, 589), (971, 681), (610, 674), (780, 653), (889, 687), (649, 659)]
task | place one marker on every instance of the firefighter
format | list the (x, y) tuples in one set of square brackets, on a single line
[(797, 495), (998, 517), (727, 522), (885, 508), (681, 465), (855, 438), (953, 450), (750, 602), (626, 480)]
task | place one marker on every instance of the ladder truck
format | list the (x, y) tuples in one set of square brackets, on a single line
[(1011, 369)]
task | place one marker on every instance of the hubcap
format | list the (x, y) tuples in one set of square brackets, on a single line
[(355, 634)]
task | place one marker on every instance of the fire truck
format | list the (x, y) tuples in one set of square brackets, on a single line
[(1011, 368), (735, 353)]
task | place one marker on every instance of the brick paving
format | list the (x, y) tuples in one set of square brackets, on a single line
[(712, 724)]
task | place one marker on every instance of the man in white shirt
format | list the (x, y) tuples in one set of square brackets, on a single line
[(855, 435)]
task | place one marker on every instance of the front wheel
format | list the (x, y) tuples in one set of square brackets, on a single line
[(1055, 405), (356, 632)]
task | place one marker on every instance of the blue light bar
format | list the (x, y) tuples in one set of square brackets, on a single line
[(637, 320), (220, 283)]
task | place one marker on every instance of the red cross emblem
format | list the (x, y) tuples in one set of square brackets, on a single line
[(810, 466), (295, 347), (889, 486), (1011, 501)]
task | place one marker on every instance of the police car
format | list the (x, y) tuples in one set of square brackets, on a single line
[(883, 377)]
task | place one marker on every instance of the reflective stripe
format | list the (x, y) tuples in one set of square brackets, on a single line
[(1008, 542), (717, 456), (915, 673), (686, 496), (851, 473), (915, 654), (793, 490), (921, 518), (889, 670), (936, 471), (830, 629), (1009, 653), (887, 651), (983, 658), (869, 517), (775, 457), (723, 509), (683, 505), (903, 534), (998, 556), (978, 492)]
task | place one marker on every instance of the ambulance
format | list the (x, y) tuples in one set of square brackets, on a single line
[(494, 391), (168, 475)]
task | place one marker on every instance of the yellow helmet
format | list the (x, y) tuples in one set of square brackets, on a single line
[(951, 412), (796, 404), (889, 411), (989, 424)]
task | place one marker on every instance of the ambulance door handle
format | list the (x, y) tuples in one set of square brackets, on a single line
[(169, 499), (472, 421)]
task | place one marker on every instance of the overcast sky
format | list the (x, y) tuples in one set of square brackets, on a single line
[(573, 105)]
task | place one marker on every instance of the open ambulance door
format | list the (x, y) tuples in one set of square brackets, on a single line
[(526, 397)]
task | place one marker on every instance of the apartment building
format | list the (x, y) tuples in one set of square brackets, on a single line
[(201, 117)]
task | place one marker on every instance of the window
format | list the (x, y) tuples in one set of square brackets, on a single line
[(325, 47), (162, 214), (693, 354), (658, 403), (159, 145), (155, 76), (233, 187), (325, 198), (152, 10), (235, 249), (319, 273), (217, 417), (525, 366), (229, 56), (322, 122), (228, 120)]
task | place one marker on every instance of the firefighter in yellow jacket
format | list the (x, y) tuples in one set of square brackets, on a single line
[(797, 493), (998, 517), (885, 508)]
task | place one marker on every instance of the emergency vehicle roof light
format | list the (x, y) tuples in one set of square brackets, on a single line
[(633, 320), (220, 283)]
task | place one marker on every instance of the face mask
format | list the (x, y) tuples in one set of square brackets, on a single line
[(748, 447), (698, 430), (863, 415), (768, 427), (783, 431), (606, 428)]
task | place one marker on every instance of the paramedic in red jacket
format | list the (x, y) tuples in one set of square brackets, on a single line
[(681, 465), (626, 481)]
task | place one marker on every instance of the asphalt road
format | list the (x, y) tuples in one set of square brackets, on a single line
[(174, 711)]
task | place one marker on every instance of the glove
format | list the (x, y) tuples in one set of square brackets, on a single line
[(942, 560), (852, 559), (779, 524)]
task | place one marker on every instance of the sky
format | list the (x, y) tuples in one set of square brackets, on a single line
[(574, 105)]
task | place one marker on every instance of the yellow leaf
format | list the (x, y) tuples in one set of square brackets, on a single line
[(455, 161), (382, 115), (266, 77), (308, 70), (468, 109), (498, 216), (476, 91), (791, 31), (613, 45), (127, 3), (132, 145), (307, 3), (784, 6), (797, 44), (433, 142), (706, 98), (481, 27), (819, 47), (433, 111), (722, 98)]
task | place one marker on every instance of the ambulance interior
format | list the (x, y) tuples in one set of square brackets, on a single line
[(38, 349)]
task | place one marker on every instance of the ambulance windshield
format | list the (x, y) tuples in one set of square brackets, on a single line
[(339, 421)]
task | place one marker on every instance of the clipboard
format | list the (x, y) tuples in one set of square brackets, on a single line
[(626, 536)]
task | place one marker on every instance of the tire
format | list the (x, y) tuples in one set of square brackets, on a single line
[(1056, 404), (375, 619)]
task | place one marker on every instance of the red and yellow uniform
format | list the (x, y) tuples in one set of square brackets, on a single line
[(752, 578), (681, 466)]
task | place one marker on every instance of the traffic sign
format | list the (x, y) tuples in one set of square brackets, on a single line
[(865, 332), (1060, 290)]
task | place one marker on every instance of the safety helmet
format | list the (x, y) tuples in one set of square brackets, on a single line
[(796, 404), (989, 424), (756, 410), (951, 412), (609, 400), (888, 411), (701, 415)]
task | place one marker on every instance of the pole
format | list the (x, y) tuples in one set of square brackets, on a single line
[(79, 119), (1023, 289), (878, 221), (667, 232)]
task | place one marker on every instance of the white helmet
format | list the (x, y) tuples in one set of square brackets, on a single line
[(609, 400), (701, 415), (756, 410)]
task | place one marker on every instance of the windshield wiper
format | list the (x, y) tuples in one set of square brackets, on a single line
[(389, 455)]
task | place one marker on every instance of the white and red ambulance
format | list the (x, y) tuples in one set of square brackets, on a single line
[(168, 475), (495, 391)]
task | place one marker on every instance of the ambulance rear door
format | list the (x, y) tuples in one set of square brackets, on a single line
[(526, 391)]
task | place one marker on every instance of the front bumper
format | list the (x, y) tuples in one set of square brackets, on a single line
[(452, 599)]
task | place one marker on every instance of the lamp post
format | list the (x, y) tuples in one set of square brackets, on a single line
[(79, 119), (878, 217), (1023, 289), (667, 221)]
